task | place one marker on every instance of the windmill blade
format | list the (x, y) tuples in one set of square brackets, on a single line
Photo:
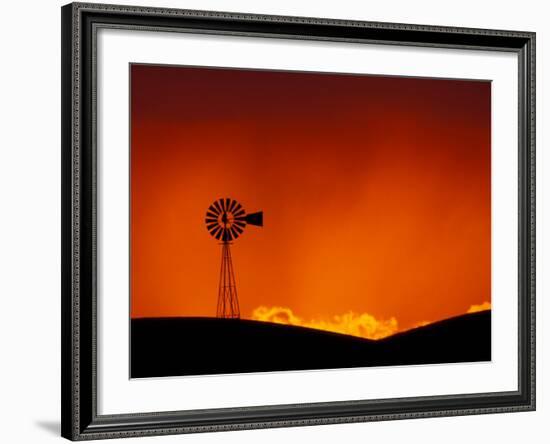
[(212, 215), (239, 223), (227, 202), (232, 207), (215, 231), (227, 235), (211, 226), (218, 206), (213, 210), (236, 231), (256, 219), (238, 208), (239, 214), (219, 234)]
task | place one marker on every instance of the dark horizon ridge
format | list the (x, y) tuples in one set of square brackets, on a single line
[(317, 329), (205, 346)]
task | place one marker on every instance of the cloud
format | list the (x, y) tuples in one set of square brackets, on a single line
[(421, 324), (363, 325), (473, 309), (483, 306)]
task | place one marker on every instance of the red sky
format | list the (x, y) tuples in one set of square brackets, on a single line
[(375, 192)]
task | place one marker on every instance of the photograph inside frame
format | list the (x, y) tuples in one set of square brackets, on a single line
[(289, 220)]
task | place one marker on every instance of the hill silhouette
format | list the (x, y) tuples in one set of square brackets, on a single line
[(194, 346)]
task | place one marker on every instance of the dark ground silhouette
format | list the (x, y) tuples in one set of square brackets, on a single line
[(194, 346)]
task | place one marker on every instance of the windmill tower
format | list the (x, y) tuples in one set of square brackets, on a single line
[(225, 221)]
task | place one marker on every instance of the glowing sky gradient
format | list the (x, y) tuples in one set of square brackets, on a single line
[(375, 191)]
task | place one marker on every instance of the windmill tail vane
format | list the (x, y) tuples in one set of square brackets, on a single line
[(226, 220)]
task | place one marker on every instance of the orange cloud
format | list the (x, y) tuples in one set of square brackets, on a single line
[(421, 324), (483, 306), (363, 325), (473, 309)]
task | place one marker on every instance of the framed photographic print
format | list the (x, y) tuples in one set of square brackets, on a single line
[(279, 221)]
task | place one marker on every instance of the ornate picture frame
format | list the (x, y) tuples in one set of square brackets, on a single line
[(81, 173)]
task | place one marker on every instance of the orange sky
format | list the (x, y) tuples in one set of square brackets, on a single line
[(375, 192)]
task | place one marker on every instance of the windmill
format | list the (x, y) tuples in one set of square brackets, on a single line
[(226, 220)]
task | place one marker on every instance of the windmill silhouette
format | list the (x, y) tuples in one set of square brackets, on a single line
[(226, 220)]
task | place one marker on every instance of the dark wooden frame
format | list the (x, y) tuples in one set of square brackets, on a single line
[(78, 333)]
